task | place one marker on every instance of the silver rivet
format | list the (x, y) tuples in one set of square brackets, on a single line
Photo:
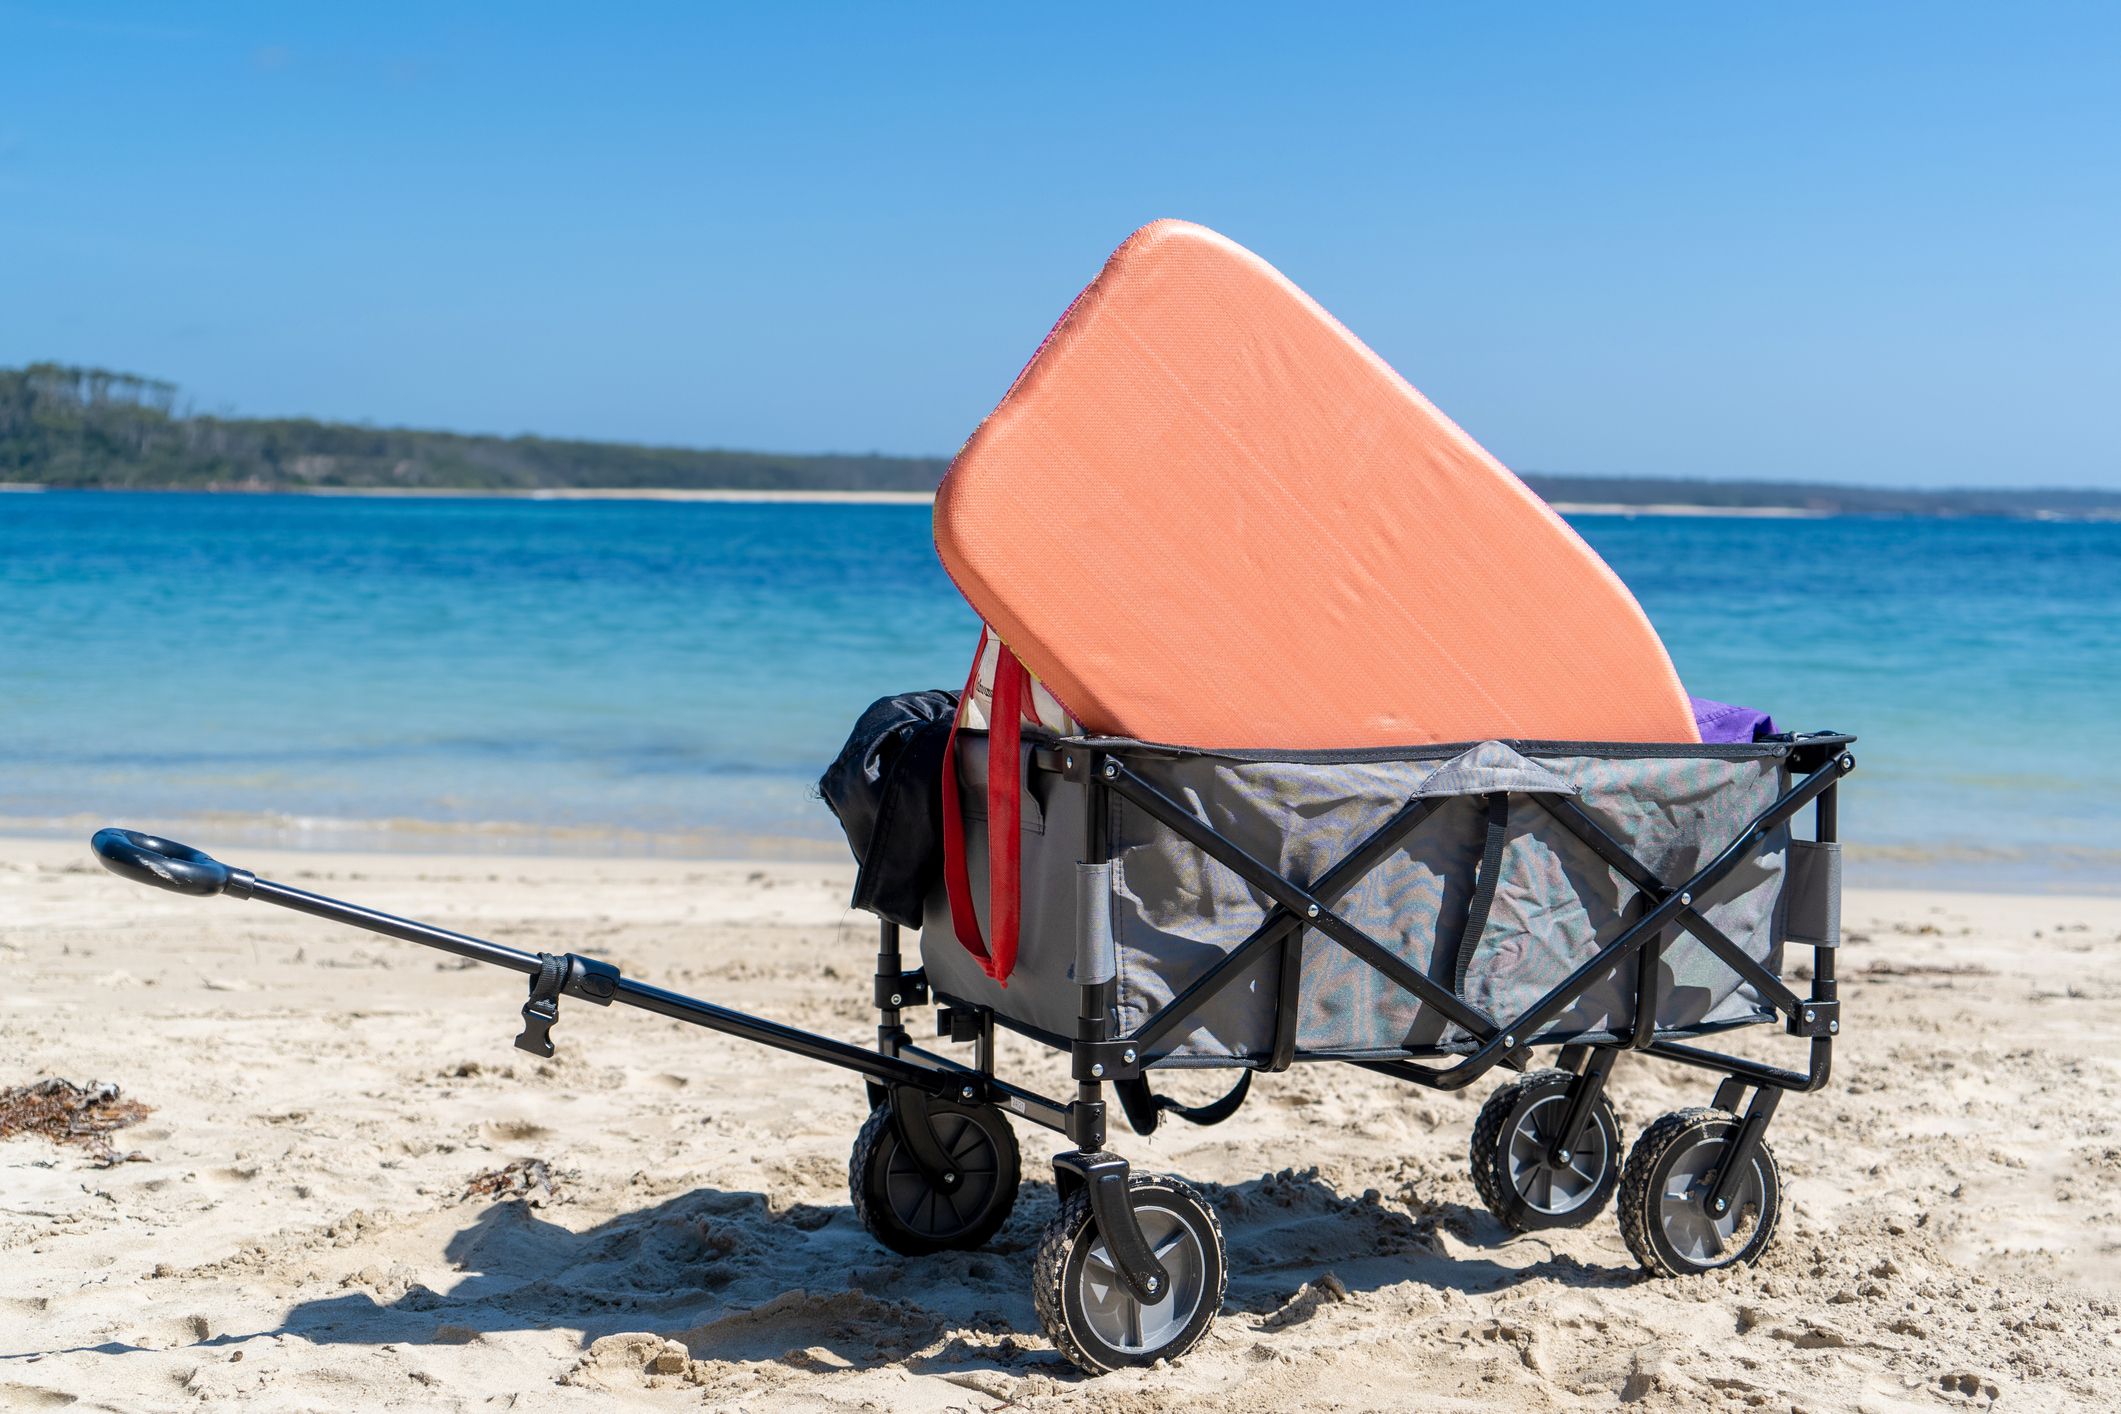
[(1127, 1055), (1509, 1042), (1834, 1027), (1720, 1205), (1154, 1283), (1810, 1015), (967, 1092), (1112, 768), (895, 999), (1069, 762), (1686, 898), (1848, 763), (1564, 1156), (1097, 1070), (1311, 911)]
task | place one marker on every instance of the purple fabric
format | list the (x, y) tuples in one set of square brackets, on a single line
[(1721, 722)]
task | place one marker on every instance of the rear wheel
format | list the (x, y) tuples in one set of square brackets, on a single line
[(1521, 1175), (1088, 1311), (1664, 1201), (910, 1212)]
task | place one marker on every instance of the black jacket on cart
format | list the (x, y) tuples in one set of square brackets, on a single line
[(885, 787)]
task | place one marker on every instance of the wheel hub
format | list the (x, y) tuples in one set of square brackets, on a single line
[(1122, 1320), (1699, 1228), (954, 1197), (1548, 1179)]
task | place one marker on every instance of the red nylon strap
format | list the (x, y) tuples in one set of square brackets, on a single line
[(957, 879), (1005, 807), (1005, 846)]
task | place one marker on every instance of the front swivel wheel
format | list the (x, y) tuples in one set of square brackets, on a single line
[(1087, 1310), (1524, 1172), (914, 1213), (1666, 1207)]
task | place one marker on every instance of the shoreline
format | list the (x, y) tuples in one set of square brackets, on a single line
[(731, 494), (407, 837), (506, 493), (1678, 508), (744, 496), (1948, 867)]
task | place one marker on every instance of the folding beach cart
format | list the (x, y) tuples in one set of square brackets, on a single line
[(1429, 914), (1197, 434)]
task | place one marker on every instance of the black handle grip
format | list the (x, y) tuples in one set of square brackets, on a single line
[(165, 864)]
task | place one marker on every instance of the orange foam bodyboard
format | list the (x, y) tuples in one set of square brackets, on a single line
[(1207, 514)]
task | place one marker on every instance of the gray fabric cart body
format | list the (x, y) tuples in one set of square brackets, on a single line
[(1492, 897)]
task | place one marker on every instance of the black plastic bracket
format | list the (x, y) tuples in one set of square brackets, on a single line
[(1815, 1018), (543, 1008), (1085, 1124), (591, 980), (958, 1024), (558, 974), (1074, 763), (1812, 750), (1728, 1093), (905, 989), (1104, 1177), (1106, 1060)]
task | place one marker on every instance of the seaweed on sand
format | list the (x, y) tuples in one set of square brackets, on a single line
[(66, 1113)]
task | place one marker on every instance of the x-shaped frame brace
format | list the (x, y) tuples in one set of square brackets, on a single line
[(1295, 907)]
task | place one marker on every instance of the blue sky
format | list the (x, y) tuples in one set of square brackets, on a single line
[(1865, 243)]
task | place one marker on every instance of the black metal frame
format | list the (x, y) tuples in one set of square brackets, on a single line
[(909, 1076)]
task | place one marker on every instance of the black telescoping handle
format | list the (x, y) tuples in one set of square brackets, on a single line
[(166, 864)]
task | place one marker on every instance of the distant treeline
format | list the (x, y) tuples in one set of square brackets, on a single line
[(89, 427)]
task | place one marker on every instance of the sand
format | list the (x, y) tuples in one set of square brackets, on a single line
[(750, 496), (307, 1225)]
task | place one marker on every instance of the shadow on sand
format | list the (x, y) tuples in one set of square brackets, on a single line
[(735, 1279)]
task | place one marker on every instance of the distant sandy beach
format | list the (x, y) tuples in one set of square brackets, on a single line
[(1673, 508), (857, 498), (642, 493), (922, 498), (300, 1228)]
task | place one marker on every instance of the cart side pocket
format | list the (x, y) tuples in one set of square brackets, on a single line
[(1812, 895)]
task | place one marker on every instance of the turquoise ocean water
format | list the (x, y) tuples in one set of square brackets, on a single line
[(671, 677)]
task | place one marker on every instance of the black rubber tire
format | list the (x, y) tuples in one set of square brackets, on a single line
[(1058, 1276), (1677, 1139), (900, 1207), (1488, 1154), (1487, 1133)]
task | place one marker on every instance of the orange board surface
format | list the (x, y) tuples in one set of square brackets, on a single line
[(1207, 514)]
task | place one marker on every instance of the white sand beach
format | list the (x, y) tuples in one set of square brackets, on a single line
[(297, 1231), (749, 496)]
